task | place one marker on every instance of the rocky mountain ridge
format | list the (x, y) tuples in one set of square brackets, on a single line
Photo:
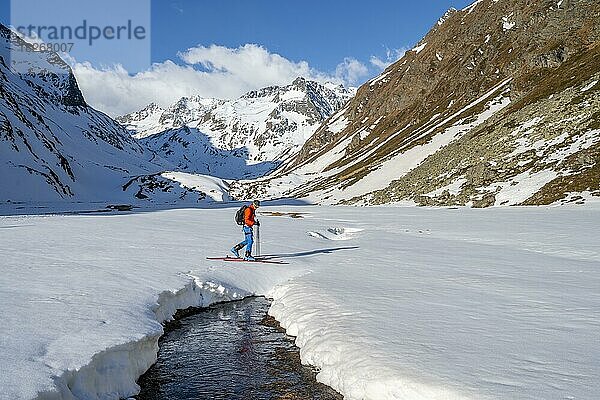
[(497, 104), (264, 126)]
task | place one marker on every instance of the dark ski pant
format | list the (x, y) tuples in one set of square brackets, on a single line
[(249, 239)]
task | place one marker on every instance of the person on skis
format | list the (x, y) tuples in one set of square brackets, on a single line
[(249, 222)]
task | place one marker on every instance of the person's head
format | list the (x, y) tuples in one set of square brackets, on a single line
[(256, 203)]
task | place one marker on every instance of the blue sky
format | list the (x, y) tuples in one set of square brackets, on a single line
[(223, 48), (321, 32)]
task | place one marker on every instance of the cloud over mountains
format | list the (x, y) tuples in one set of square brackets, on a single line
[(210, 71)]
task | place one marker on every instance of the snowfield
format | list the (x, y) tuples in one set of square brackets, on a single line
[(388, 302)]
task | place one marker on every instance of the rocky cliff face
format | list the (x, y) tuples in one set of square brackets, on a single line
[(263, 126), (498, 104)]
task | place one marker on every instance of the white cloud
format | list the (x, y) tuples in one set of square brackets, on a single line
[(391, 56), (116, 92), (213, 71), (351, 71), (210, 71), (250, 64)]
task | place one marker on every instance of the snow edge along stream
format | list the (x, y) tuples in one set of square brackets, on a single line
[(112, 373)]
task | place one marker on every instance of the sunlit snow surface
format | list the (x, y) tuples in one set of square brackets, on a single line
[(389, 303)]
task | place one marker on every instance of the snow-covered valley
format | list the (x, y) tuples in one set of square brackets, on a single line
[(106, 224), (388, 302)]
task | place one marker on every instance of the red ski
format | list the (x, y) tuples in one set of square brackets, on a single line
[(258, 260)]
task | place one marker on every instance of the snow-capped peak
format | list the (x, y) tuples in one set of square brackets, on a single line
[(269, 123)]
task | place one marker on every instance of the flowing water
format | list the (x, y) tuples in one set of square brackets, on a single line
[(230, 351)]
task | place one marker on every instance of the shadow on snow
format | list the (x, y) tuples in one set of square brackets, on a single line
[(191, 150), (309, 253)]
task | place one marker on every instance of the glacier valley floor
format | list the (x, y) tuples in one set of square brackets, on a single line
[(388, 302)]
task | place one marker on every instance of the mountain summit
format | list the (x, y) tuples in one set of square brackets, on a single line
[(263, 127)]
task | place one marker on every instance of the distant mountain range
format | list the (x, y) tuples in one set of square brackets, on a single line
[(59, 149), (499, 104), (243, 138)]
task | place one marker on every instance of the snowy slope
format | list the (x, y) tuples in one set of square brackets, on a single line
[(56, 148), (501, 97), (266, 125), (389, 303), (215, 189), (190, 150), (319, 181)]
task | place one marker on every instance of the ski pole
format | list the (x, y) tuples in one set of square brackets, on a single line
[(258, 240)]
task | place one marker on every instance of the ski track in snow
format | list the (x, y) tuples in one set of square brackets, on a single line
[(388, 302)]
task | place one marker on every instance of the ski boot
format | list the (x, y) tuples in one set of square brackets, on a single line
[(235, 250), (249, 257)]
